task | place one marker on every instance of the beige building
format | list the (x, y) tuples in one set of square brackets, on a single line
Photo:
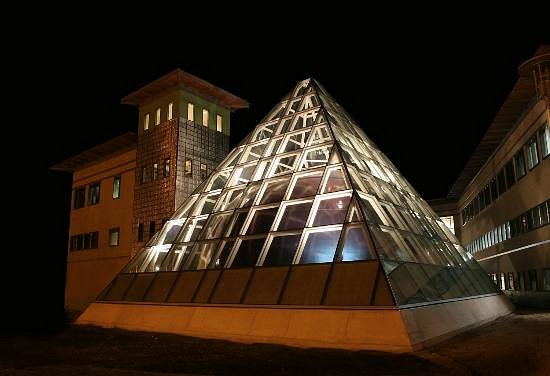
[(500, 202)]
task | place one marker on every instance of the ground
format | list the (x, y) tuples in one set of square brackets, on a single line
[(518, 344)]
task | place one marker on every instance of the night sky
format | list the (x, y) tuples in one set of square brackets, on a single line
[(424, 97)]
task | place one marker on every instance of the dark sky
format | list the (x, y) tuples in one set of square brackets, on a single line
[(424, 92)]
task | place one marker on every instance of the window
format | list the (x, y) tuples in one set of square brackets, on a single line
[(157, 117), (79, 197), (140, 232), (188, 168), (205, 117), (320, 245), (546, 273), (544, 135), (146, 122), (84, 241), (113, 237), (190, 112), (116, 186), (170, 111), (501, 182), (152, 229), (143, 177), (494, 189), (204, 171), (166, 171), (520, 165), (93, 193), (533, 285), (154, 172), (532, 153), (509, 172), (281, 250), (219, 123)]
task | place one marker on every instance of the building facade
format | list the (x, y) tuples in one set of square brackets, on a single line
[(500, 202), (125, 189)]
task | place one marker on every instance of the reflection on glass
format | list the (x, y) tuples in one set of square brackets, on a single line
[(294, 216), (285, 164), (316, 157), (230, 199), (336, 181), (223, 253), (175, 257), (202, 253), (274, 191), (261, 221), (356, 246), (281, 250), (215, 226), (306, 185), (250, 195), (320, 246), (331, 211), (238, 222), (248, 253)]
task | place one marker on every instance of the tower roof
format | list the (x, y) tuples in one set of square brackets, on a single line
[(179, 79), (306, 189)]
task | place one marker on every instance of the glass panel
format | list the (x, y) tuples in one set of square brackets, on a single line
[(261, 221), (294, 141), (242, 175), (281, 250), (354, 212), (238, 223), (294, 215), (335, 181), (185, 209), (264, 131), (304, 119), (320, 135), (206, 203), (223, 253), (230, 199), (217, 181), (331, 210), (177, 254), (202, 254), (253, 152), (170, 231), (356, 246), (216, 226), (320, 245), (250, 195), (262, 169), (274, 191), (248, 253), (305, 185), (156, 257), (273, 146), (283, 165), (316, 157), (232, 158)]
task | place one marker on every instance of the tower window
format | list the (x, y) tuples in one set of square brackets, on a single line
[(205, 117), (157, 117), (190, 112), (166, 167), (170, 111), (79, 197), (204, 171), (143, 177), (152, 229), (519, 160), (532, 153), (114, 236), (116, 186), (146, 122), (140, 232), (219, 123), (154, 173), (93, 193), (188, 168), (544, 134)]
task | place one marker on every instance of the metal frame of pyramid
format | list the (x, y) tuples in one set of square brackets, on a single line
[(305, 192)]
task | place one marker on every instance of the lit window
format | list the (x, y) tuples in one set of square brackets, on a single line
[(544, 134), (116, 186), (113, 237), (93, 194), (140, 232), (146, 122), (170, 111), (79, 198), (188, 168), (143, 177), (219, 123), (449, 222), (532, 153), (205, 117), (166, 171), (520, 165), (320, 244), (330, 209), (204, 171), (190, 112), (157, 117), (356, 246), (154, 172)]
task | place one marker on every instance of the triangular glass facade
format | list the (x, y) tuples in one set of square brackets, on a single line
[(307, 186)]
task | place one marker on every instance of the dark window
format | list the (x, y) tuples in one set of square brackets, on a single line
[(486, 195), (204, 171), (94, 239), (544, 211), (79, 197), (140, 232), (509, 172), (519, 160), (544, 135), (87, 240), (84, 241), (152, 228), (116, 186), (93, 193), (143, 177), (546, 286), (188, 168), (114, 234), (494, 189), (154, 172), (166, 171), (532, 153), (521, 281), (533, 283), (501, 183)]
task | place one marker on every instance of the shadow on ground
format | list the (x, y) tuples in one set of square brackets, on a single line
[(516, 344)]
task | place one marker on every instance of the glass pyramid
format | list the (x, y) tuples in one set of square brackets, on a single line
[(307, 186)]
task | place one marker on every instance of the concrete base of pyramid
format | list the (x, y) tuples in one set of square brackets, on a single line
[(387, 329)]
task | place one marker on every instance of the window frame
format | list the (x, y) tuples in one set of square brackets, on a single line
[(219, 123), (79, 189), (157, 116), (191, 110), (115, 179), (90, 193), (170, 112), (111, 232), (205, 116), (146, 122)]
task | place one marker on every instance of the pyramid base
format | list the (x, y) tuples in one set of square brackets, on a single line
[(357, 328)]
